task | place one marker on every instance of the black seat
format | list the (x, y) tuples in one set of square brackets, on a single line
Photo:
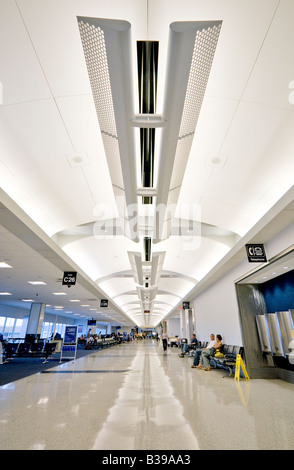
[(37, 348), (49, 350), (23, 349), (10, 350)]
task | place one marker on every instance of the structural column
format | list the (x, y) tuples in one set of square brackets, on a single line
[(187, 323), (184, 322), (36, 318)]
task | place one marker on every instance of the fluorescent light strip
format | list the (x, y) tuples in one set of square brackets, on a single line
[(4, 265), (37, 283)]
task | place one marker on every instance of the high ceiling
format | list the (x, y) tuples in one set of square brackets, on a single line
[(216, 138)]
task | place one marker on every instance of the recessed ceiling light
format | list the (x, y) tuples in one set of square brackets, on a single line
[(74, 300), (286, 267), (216, 160), (27, 300), (5, 293), (4, 265), (77, 159), (37, 283)]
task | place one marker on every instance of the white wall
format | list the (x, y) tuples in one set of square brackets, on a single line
[(124, 329), (14, 312), (216, 309), (174, 327)]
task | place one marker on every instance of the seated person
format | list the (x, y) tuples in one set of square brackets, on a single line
[(186, 346), (82, 339), (208, 353), (199, 351)]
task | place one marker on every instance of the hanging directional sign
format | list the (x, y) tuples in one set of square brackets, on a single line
[(69, 278), (186, 305), (256, 253), (103, 303)]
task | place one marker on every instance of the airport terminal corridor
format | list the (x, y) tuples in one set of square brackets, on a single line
[(134, 396)]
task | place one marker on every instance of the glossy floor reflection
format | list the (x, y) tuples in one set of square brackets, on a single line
[(134, 396)]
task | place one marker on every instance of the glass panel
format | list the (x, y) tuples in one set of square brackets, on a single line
[(2, 322), (9, 327), (46, 330), (18, 328)]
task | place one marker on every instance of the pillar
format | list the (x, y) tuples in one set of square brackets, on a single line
[(36, 318)]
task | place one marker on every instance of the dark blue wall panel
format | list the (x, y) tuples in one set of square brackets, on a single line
[(279, 293)]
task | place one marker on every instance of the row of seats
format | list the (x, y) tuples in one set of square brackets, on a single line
[(101, 343), (32, 350), (192, 347), (228, 358)]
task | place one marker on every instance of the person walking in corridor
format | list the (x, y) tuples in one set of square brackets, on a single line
[(164, 338)]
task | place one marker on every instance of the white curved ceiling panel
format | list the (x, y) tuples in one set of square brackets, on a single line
[(16, 75)]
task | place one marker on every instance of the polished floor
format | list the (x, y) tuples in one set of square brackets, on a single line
[(134, 396)]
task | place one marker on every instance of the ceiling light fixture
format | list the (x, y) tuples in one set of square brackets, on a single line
[(187, 77), (4, 265), (111, 81), (37, 283)]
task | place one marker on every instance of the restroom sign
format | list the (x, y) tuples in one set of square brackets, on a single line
[(256, 253)]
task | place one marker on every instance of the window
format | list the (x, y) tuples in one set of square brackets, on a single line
[(12, 327), (9, 327), (47, 329), (2, 323), (17, 332)]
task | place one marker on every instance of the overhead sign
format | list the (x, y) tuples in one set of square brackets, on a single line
[(69, 278), (186, 305), (103, 303), (256, 253)]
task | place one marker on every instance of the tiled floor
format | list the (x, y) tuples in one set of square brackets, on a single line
[(134, 396)]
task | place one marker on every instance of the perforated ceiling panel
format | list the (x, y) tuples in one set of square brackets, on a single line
[(96, 59), (203, 53)]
